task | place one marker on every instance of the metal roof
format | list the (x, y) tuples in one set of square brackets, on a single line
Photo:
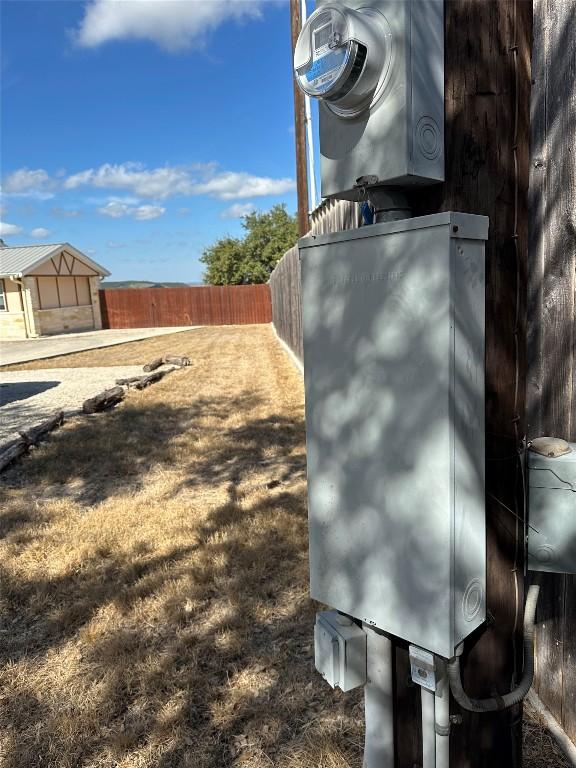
[(19, 260)]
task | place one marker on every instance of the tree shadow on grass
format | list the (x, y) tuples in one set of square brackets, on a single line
[(221, 674), (96, 457)]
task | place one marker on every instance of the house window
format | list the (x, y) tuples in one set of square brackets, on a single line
[(59, 292), (2, 297)]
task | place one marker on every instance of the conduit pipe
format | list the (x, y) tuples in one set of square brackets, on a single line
[(378, 701), (309, 131), (520, 692), (428, 729), (442, 715)]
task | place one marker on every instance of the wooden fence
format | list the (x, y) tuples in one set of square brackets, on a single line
[(286, 301), (202, 305), (331, 216), (552, 318)]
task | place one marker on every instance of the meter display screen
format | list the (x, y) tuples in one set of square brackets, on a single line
[(322, 36)]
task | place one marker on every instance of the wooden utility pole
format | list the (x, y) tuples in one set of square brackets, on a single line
[(299, 130), (487, 87), (552, 316)]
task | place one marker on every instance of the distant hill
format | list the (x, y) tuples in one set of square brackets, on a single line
[(143, 284)]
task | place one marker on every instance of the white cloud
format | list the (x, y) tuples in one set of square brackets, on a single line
[(134, 182), (170, 181), (157, 183), (116, 210), (9, 229), (172, 24), (233, 186), (28, 183), (145, 212), (238, 211), (40, 232)]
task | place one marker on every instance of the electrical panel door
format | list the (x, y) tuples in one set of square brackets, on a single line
[(393, 319)]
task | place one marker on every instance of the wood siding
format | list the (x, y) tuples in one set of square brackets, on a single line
[(286, 301), (202, 305), (552, 317)]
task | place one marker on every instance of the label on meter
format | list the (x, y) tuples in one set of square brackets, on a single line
[(325, 69), (328, 54)]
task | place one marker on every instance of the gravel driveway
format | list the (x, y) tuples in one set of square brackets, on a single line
[(29, 397)]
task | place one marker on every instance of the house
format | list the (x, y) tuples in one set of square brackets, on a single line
[(47, 289)]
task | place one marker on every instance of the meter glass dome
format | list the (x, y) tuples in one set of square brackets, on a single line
[(323, 55), (341, 56)]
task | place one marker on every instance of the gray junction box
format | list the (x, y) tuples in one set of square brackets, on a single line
[(393, 319), (552, 532), (340, 650)]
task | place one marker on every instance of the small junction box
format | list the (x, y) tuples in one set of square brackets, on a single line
[(552, 506), (340, 650)]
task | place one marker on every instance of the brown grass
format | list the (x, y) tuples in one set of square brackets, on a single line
[(154, 576), (154, 606), (540, 749)]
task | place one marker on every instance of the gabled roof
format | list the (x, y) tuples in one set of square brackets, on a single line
[(19, 260)]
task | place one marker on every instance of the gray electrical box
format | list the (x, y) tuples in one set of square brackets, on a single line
[(393, 319), (377, 68), (552, 511), (340, 650)]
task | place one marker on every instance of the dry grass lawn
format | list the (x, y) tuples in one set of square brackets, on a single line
[(154, 608), (540, 749), (153, 564)]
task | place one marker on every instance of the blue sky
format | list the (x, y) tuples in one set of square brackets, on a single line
[(141, 130)]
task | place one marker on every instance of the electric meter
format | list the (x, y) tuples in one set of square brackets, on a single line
[(376, 68), (342, 56)]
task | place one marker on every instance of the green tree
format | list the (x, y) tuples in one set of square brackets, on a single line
[(251, 259)]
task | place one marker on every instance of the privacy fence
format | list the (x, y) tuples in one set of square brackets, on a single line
[(552, 318), (331, 216), (202, 305)]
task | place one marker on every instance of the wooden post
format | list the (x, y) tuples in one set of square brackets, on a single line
[(552, 316), (299, 130), (487, 87)]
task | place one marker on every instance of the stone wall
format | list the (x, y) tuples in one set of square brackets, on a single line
[(63, 320)]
